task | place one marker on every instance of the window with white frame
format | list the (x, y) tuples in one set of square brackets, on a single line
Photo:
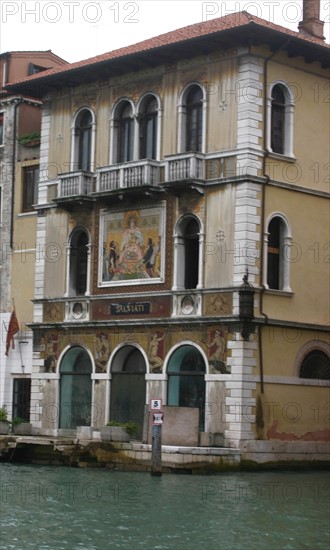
[(125, 132), (30, 187), (280, 116), (188, 254), (313, 361), (278, 241), (316, 364), (194, 119), (148, 115), (191, 118), (82, 141), (78, 263)]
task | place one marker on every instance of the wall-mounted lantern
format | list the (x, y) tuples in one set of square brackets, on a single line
[(246, 306)]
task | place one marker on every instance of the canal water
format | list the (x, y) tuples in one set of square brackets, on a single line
[(62, 508)]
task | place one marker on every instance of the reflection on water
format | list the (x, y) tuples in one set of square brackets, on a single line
[(50, 508)]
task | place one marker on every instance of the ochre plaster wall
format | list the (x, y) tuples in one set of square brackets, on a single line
[(296, 412), (55, 254), (25, 251), (308, 217), (281, 346), (220, 214), (311, 124)]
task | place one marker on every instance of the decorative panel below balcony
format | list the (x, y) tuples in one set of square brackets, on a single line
[(187, 304), (77, 310)]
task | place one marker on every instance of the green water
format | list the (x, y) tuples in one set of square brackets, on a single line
[(55, 508)]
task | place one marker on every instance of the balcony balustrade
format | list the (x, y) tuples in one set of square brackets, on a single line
[(193, 167), (128, 175), (188, 166), (74, 184)]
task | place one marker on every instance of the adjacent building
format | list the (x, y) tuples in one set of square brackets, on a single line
[(20, 123), (184, 180)]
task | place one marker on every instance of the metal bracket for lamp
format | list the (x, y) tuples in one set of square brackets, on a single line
[(20, 342)]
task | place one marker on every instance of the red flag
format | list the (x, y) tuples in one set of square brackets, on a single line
[(12, 330)]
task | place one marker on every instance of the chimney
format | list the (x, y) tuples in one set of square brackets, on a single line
[(311, 24)]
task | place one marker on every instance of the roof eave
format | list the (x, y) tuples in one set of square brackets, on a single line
[(248, 33)]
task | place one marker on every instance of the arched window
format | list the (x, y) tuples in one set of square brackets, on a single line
[(191, 254), (75, 389), (148, 128), (125, 133), (281, 120), (128, 386), (194, 119), (316, 364), (83, 141), (188, 254), (278, 115), (186, 380), (78, 262), (191, 120), (278, 255)]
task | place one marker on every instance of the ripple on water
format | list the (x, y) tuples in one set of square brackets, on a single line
[(50, 508)]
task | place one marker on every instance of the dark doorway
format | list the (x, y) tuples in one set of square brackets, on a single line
[(21, 398), (186, 380), (128, 387), (75, 389)]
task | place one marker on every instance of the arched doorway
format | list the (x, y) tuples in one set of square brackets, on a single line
[(186, 380), (128, 387), (75, 389)]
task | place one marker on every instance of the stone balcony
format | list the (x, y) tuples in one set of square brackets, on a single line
[(128, 175), (74, 188), (187, 166), (146, 176), (75, 183)]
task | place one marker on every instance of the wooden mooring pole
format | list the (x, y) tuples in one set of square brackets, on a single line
[(156, 452)]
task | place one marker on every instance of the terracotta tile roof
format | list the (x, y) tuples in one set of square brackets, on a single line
[(197, 30)]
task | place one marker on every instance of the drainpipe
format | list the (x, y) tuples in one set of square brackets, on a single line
[(14, 173)]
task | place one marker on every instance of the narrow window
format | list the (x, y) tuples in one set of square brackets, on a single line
[(2, 120), (274, 253), (278, 120), (125, 133), (194, 119), (78, 263), (148, 129), (187, 254), (191, 253), (316, 365), (30, 187), (83, 133)]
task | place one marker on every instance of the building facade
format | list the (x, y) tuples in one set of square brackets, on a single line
[(20, 124), (171, 171)]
